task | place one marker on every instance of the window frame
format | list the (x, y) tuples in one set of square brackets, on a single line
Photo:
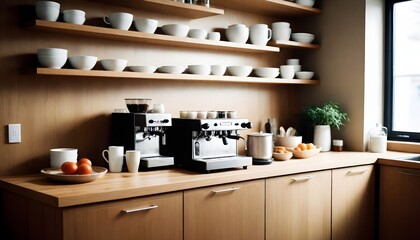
[(389, 72)]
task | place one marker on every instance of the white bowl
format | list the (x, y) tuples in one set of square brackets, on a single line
[(47, 10), (304, 75), (146, 25), (267, 72), (172, 69), (218, 70), (52, 57), (199, 69), (83, 62), (292, 61), (144, 69), (74, 16), (178, 30), (308, 3), (303, 37), (237, 33), (117, 65), (197, 33), (289, 142), (239, 71)]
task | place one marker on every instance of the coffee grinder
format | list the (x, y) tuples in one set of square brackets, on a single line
[(145, 132)]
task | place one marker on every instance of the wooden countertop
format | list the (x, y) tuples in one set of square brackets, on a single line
[(115, 186)]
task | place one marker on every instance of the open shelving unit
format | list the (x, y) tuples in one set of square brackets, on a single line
[(280, 8), (169, 7), (165, 76), (156, 39), (293, 44)]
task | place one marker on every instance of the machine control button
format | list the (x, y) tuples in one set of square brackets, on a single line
[(151, 121), (205, 126), (165, 120), (216, 124), (246, 125), (236, 124)]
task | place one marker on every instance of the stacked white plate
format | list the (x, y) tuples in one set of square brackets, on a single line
[(267, 72)]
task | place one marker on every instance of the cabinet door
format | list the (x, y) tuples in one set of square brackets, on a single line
[(157, 217), (299, 206), (353, 203), (399, 200), (230, 211)]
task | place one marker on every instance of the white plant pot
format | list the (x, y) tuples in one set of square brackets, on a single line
[(322, 137)]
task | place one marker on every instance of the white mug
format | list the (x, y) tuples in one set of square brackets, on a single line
[(259, 34), (115, 158), (132, 158), (158, 108), (58, 156), (202, 114), (214, 36), (287, 71), (119, 20), (281, 31)]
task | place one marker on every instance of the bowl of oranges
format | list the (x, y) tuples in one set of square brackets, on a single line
[(281, 153), (305, 150), (71, 172)]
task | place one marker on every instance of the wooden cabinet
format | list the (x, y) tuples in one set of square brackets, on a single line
[(353, 203), (230, 211), (399, 198), (299, 206), (155, 218)]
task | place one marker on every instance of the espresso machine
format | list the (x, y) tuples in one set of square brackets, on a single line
[(145, 132), (207, 144)]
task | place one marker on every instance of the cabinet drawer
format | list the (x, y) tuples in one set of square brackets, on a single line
[(225, 212), (157, 217), (299, 206)]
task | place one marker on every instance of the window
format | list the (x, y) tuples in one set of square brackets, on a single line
[(402, 96)]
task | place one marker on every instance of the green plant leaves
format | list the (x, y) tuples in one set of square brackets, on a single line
[(327, 114)]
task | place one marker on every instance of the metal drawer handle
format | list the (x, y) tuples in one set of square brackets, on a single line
[(410, 174), (226, 190), (356, 172), (302, 179), (140, 209)]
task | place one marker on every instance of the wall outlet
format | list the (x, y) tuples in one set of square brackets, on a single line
[(14, 133)]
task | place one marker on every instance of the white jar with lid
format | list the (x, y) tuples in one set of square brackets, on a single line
[(378, 139)]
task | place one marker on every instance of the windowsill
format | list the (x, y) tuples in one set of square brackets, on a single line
[(404, 146)]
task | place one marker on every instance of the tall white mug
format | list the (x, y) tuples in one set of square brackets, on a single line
[(132, 158), (115, 158), (281, 31), (119, 20), (259, 34)]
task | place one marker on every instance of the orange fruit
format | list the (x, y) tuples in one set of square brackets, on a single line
[(302, 146), (310, 146), (84, 160), (84, 169), (298, 149), (69, 168)]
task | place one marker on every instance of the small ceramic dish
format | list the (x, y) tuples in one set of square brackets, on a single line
[(304, 153), (282, 156)]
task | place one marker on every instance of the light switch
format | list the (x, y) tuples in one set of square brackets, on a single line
[(14, 133)]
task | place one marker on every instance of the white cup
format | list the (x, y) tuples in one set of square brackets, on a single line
[(259, 34), (281, 31), (115, 158), (287, 71), (214, 36), (58, 156), (74, 16), (47, 10), (132, 158), (293, 61), (183, 114), (212, 114), (202, 114), (146, 25), (158, 108), (119, 20), (218, 70), (192, 114), (232, 114)]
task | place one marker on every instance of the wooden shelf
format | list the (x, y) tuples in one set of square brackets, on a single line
[(169, 7), (293, 44), (164, 76), (159, 39), (278, 8)]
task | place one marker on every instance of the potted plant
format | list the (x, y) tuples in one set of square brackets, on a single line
[(322, 118)]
